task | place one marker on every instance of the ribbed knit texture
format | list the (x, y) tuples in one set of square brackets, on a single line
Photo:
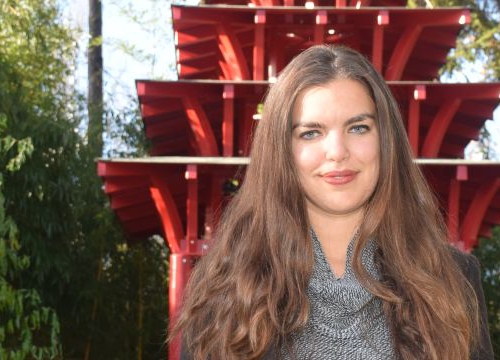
[(346, 321)]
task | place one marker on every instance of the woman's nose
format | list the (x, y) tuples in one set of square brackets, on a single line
[(335, 147)]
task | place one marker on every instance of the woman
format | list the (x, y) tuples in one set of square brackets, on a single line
[(334, 247)]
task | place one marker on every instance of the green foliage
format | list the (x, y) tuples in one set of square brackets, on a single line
[(28, 330), (125, 135), (487, 145), (477, 45), (36, 59), (488, 253), (68, 247), (133, 286)]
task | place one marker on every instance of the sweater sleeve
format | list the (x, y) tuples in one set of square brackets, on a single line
[(471, 269)]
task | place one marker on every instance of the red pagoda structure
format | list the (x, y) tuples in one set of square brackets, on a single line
[(227, 55)]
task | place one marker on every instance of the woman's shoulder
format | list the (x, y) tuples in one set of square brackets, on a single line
[(471, 269), (468, 263)]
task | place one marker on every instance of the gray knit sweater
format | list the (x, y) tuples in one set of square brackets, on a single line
[(345, 320)]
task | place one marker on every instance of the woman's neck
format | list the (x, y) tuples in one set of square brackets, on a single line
[(334, 233)]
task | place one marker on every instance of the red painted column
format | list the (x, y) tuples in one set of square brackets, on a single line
[(246, 125), (228, 120), (319, 29), (453, 216), (259, 45), (214, 206), (378, 39), (192, 208), (419, 93), (181, 263), (180, 268)]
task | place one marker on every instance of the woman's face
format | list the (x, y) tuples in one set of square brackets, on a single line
[(335, 145)]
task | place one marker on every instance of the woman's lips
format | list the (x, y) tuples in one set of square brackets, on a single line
[(339, 177)]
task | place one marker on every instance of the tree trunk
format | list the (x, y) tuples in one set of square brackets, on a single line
[(95, 111), (95, 97)]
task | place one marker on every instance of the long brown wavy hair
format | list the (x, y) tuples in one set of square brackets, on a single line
[(248, 294)]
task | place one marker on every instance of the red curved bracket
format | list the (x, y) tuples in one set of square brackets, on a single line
[(170, 219), (200, 127), (402, 52), (232, 53), (440, 124), (476, 212)]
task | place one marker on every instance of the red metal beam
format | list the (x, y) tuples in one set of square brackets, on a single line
[(189, 72), (170, 219), (157, 109), (232, 53), (193, 35), (165, 128), (402, 51), (440, 124), (475, 214), (200, 127), (117, 185)]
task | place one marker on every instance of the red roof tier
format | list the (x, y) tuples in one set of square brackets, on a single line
[(216, 118), (334, 3), (245, 43), (179, 198)]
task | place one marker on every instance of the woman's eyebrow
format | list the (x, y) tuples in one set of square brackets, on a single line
[(360, 117), (309, 124)]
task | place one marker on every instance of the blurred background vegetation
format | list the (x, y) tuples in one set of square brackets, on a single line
[(70, 285)]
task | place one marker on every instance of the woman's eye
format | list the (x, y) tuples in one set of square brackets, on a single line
[(359, 129), (310, 134)]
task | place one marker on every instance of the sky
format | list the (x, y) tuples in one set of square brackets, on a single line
[(138, 44), (131, 49)]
